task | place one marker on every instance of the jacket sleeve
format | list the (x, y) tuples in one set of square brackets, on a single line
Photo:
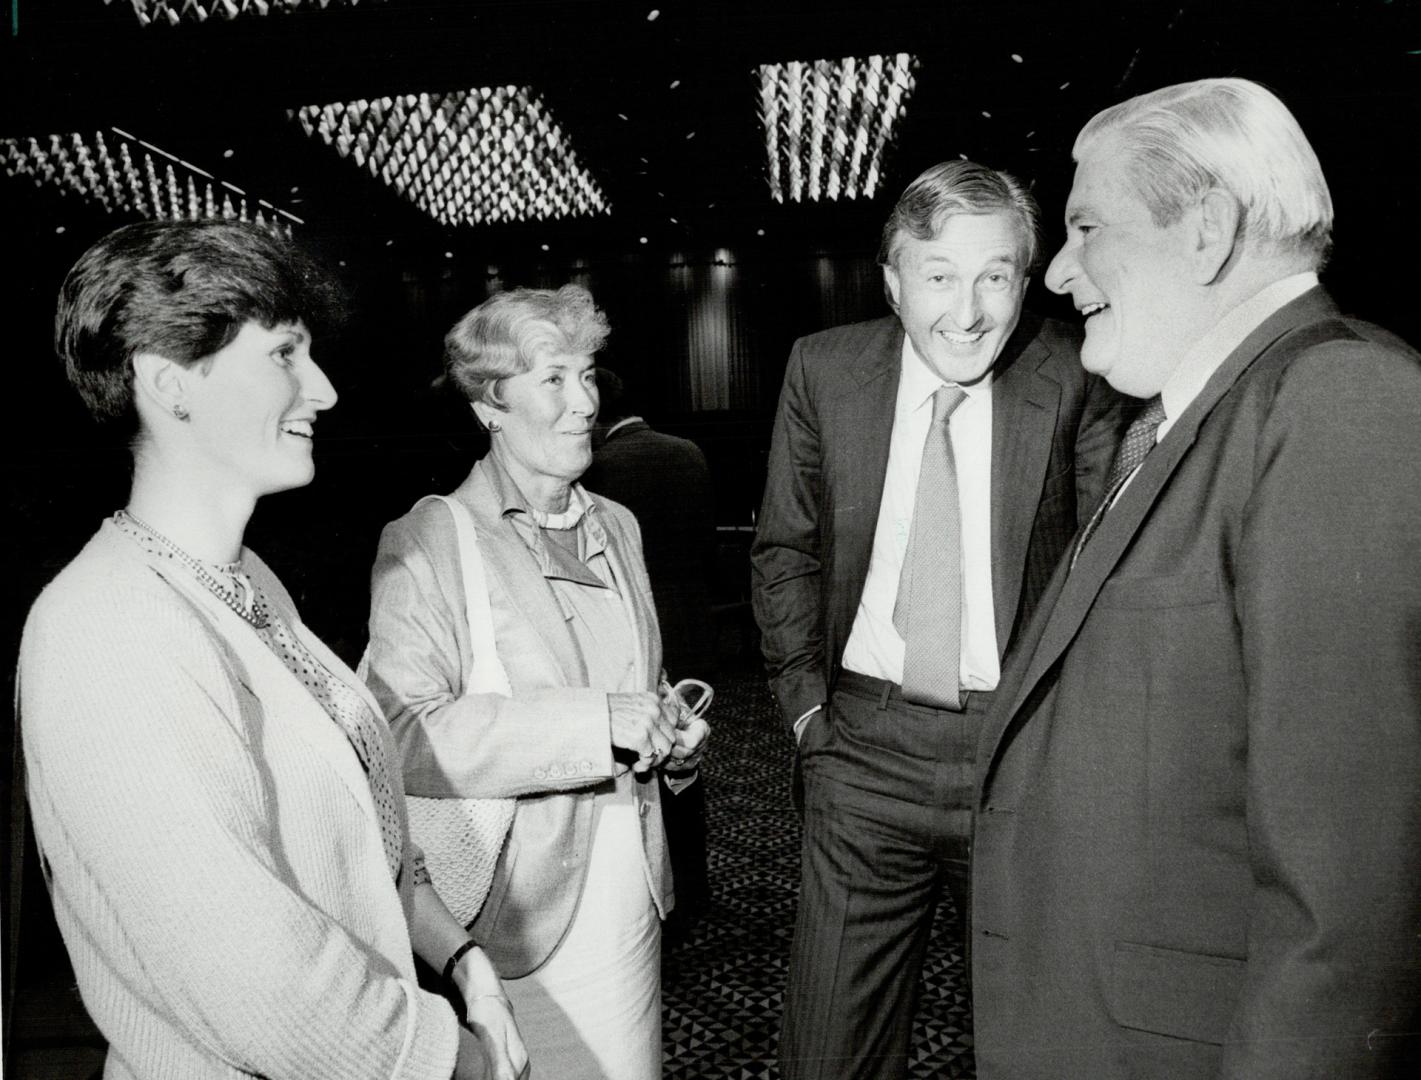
[(1102, 425), (479, 745), (156, 821), (785, 558), (1329, 613)]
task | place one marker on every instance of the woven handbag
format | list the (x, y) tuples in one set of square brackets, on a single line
[(462, 838)]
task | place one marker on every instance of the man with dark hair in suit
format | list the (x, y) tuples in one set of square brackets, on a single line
[(926, 473), (665, 482), (1198, 849)]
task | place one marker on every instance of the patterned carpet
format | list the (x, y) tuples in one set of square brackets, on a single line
[(722, 988)]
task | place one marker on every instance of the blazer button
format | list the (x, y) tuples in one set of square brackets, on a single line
[(569, 768), (585, 767), (554, 772), (540, 774)]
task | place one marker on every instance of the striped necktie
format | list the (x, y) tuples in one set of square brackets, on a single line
[(1139, 440)]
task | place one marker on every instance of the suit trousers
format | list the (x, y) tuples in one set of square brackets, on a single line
[(888, 795)]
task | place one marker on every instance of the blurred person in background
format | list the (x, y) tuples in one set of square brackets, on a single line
[(665, 482)]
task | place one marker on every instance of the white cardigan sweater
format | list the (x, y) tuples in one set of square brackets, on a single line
[(209, 838)]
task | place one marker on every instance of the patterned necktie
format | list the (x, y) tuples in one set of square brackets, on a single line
[(928, 609), (1139, 440)]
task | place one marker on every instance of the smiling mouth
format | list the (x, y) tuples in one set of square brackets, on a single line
[(1095, 308), (302, 429), (955, 338)]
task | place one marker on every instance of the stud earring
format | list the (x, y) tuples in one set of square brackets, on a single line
[(494, 427), (180, 412)]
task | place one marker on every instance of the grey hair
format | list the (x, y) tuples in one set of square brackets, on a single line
[(960, 187), (506, 334), (1233, 135)]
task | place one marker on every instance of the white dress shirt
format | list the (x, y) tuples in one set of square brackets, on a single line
[(875, 646), (1207, 355)]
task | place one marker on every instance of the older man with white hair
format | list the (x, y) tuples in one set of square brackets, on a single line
[(1198, 843)]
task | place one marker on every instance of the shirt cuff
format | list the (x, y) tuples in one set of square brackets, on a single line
[(681, 781), (803, 722)]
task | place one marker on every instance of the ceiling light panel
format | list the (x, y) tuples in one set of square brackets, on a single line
[(469, 157), (173, 12), (828, 123), (126, 175)]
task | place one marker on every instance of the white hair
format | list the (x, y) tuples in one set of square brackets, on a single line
[(1227, 134)]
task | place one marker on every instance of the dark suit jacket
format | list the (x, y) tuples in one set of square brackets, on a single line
[(1054, 433), (1198, 848), (665, 482)]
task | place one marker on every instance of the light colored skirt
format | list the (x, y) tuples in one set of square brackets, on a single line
[(593, 1011)]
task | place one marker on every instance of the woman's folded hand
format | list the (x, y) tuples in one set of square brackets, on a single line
[(488, 1014), (644, 724)]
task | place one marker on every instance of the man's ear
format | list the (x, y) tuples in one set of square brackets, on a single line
[(891, 282), (1217, 222), (159, 383)]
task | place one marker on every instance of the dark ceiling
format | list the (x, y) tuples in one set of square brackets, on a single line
[(690, 147)]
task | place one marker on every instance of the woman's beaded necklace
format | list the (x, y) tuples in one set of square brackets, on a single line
[(226, 581)]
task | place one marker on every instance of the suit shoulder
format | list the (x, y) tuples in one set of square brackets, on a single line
[(618, 520), (1062, 337), (103, 602), (101, 577), (425, 531), (844, 342), (662, 441), (1062, 342), (1367, 358), (611, 509)]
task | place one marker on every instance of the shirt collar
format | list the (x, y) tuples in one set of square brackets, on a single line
[(581, 509), (920, 382), (1207, 355), (511, 500), (622, 423)]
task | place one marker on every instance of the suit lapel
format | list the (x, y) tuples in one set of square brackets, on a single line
[(1072, 592), (867, 410), (1025, 403), (634, 588), (279, 694), (511, 568)]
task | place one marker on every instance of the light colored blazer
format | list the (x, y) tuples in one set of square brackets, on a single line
[(549, 744), (209, 838)]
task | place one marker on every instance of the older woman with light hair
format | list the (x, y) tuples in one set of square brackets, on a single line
[(586, 730)]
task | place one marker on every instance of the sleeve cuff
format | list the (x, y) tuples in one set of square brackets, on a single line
[(432, 1047), (803, 722)]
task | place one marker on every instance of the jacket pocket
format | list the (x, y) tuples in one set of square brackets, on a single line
[(1186, 995), (485, 924), (1172, 590)]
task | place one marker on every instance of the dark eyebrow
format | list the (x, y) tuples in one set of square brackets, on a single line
[(1009, 258)]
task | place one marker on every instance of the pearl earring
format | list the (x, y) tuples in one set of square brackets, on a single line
[(494, 427), (180, 412)]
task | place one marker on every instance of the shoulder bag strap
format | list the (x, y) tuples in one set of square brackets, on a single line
[(488, 675)]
